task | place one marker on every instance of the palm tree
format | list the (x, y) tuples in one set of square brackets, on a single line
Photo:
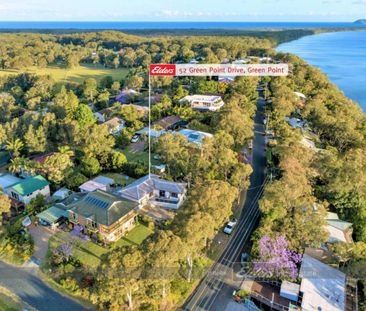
[(14, 146), (66, 150), (16, 165)]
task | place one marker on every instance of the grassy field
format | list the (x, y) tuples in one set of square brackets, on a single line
[(74, 75), (90, 254), (139, 156), (120, 179)]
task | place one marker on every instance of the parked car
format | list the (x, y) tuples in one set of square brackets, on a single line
[(135, 139), (230, 226), (250, 145)]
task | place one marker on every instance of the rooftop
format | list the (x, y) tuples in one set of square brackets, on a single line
[(167, 122), (145, 185), (202, 98), (102, 207), (29, 185), (195, 137), (323, 287), (7, 180)]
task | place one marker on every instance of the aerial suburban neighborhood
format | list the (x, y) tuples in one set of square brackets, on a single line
[(126, 190)]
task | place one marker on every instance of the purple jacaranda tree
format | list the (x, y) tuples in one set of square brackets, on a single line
[(275, 259), (64, 252)]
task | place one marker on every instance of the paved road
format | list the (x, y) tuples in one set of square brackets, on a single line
[(215, 290), (25, 283)]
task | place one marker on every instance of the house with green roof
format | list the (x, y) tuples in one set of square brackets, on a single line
[(104, 213), (27, 189)]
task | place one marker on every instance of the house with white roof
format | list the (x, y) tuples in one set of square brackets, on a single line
[(323, 287), (195, 137), (204, 102), (98, 183), (339, 230), (151, 189)]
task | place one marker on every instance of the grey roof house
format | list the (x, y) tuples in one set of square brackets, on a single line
[(156, 191)]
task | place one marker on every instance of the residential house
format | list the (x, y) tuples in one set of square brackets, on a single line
[(195, 137), (27, 189), (8, 180), (151, 189), (301, 102), (104, 213), (170, 123), (126, 96), (204, 102), (339, 230), (61, 194), (323, 287), (98, 183), (115, 125), (99, 116), (155, 134)]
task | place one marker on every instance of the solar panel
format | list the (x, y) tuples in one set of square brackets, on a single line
[(97, 202)]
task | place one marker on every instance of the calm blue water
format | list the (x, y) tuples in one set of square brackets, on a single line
[(341, 55), (167, 25)]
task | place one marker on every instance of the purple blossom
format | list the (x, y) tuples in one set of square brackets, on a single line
[(65, 250), (275, 259)]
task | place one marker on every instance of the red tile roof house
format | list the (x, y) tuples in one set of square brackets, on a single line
[(151, 189)]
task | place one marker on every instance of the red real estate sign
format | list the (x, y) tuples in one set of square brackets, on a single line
[(162, 70)]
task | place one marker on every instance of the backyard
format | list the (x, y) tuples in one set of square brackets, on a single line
[(135, 155), (73, 75), (90, 254)]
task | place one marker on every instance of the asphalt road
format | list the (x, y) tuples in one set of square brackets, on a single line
[(25, 283), (215, 290)]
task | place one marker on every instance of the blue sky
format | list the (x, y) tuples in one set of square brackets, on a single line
[(182, 10)]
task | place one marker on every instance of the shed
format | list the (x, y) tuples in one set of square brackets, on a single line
[(290, 290)]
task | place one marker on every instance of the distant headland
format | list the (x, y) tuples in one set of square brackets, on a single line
[(360, 22)]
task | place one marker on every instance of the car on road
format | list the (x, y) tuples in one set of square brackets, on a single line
[(230, 226), (135, 139), (250, 145)]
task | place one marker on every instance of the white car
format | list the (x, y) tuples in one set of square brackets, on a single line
[(135, 139), (230, 226)]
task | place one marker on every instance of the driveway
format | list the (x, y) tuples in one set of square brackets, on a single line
[(29, 287), (41, 236)]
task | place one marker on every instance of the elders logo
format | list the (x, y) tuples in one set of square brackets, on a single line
[(162, 70)]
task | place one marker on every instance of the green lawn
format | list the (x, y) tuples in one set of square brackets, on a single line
[(74, 75), (143, 156), (90, 254), (135, 237), (120, 178)]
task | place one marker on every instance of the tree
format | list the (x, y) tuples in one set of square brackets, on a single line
[(35, 139), (90, 89), (14, 146), (134, 82), (56, 166), (84, 115), (7, 105), (117, 160), (90, 166), (65, 104), (103, 99), (5, 205), (275, 260), (115, 87)]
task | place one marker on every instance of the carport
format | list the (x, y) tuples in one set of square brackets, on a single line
[(52, 215)]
